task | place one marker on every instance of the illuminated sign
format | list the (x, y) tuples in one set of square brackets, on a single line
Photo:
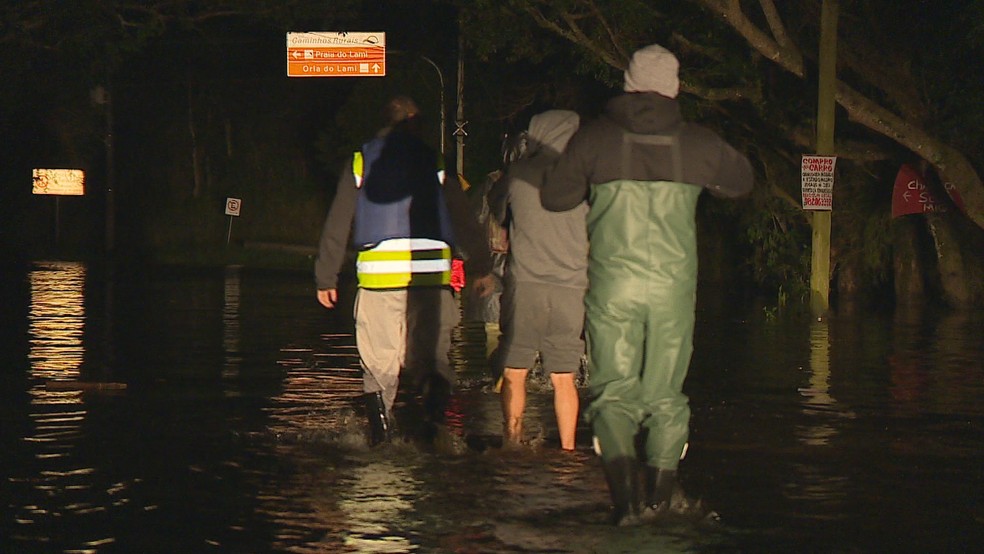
[(336, 54), (59, 181)]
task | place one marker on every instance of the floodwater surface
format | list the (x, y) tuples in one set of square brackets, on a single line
[(180, 410)]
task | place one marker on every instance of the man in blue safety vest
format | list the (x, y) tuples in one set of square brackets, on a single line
[(404, 219)]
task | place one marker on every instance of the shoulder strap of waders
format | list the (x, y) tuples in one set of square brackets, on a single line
[(671, 140)]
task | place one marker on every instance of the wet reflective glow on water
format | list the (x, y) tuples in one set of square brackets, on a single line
[(57, 318), (241, 430), (230, 327)]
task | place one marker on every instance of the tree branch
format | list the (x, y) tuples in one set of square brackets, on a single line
[(608, 30), (750, 91), (572, 33), (776, 25), (952, 164), (730, 11)]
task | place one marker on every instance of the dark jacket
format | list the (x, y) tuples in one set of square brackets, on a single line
[(642, 169), (470, 239), (593, 155)]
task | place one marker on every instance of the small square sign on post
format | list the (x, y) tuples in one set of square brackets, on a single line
[(232, 207), (817, 174)]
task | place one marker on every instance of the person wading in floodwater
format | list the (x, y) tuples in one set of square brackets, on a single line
[(407, 219), (642, 168), (546, 275)]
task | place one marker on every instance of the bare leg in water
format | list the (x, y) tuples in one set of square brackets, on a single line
[(566, 405), (513, 404)]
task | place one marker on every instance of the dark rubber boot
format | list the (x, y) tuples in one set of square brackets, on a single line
[(379, 423), (660, 484), (665, 496), (435, 395), (623, 485)]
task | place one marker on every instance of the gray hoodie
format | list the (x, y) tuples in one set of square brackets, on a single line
[(544, 246)]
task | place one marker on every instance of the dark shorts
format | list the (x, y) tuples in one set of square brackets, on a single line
[(542, 318)]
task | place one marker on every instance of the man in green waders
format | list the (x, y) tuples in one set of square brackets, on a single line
[(642, 168)]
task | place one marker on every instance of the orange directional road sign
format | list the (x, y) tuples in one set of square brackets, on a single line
[(336, 54)]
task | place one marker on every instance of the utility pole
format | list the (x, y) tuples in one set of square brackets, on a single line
[(459, 122), (820, 270)]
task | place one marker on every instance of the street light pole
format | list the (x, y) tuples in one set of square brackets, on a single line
[(440, 77)]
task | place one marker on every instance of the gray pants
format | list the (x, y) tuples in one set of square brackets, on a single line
[(404, 334)]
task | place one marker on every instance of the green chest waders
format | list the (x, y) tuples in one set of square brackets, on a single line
[(640, 318)]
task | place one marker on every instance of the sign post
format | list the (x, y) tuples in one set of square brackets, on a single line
[(336, 54), (232, 207), (58, 183), (826, 102)]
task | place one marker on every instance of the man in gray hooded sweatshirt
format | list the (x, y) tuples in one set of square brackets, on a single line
[(545, 280), (643, 168)]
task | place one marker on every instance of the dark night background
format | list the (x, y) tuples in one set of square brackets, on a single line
[(857, 432), (276, 142), (201, 109)]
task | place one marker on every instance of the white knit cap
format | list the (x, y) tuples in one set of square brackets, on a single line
[(653, 69)]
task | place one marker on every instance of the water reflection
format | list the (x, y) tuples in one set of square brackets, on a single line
[(241, 431), (57, 319), (231, 330), (318, 391), (379, 499), (59, 486), (929, 369), (817, 400)]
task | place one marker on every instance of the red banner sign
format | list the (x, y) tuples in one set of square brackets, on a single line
[(911, 196)]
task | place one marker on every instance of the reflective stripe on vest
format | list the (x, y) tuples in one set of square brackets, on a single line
[(358, 169), (401, 263)]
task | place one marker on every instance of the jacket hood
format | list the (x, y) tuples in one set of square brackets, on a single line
[(550, 131), (646, 113)]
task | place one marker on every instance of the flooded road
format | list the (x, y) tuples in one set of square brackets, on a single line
[(190, 411)]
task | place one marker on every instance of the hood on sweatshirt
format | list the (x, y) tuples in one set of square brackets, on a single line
[(550, 130)]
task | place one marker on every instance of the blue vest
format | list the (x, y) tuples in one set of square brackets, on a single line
[(400, 194), (402, 225)]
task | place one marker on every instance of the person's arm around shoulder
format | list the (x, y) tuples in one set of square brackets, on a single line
[(735, 176), (471, 238), (334, 239), (566, 184), (498, 198)]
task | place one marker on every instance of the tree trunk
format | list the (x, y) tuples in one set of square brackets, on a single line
[(196, 165), (949, 260), (907, 266)]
